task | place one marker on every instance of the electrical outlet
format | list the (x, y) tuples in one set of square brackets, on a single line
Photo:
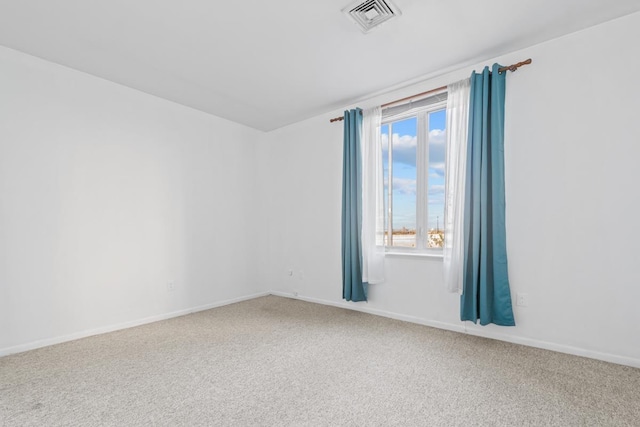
[(522, 300), (171, 286)]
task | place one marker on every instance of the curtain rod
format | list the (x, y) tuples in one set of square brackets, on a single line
[(512, 67)]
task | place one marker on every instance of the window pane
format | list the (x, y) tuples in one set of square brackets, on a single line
[(435, 222), (384, 130), (403, 178)]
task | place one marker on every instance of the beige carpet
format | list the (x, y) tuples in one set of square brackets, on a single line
[(279, 362)]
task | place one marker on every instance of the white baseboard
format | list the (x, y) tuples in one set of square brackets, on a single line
[(377, 312), (576, 351), (112, 328)]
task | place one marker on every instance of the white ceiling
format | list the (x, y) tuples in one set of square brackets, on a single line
[(267, 64)]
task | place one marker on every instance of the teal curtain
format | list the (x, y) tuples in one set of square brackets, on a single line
[(485, 291), (353, 289)]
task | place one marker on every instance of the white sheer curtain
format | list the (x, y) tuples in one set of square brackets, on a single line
[(456, 160), (372, 198)]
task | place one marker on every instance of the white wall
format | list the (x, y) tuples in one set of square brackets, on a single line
[(106, 195), (572, 148)]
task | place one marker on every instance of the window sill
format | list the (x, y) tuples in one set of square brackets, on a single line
[(435, 255)]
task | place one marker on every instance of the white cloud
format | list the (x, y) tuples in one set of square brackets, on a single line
[(404, 142), (405, 146), (404, 149), (436, 170), (436, 189), (437, 147), (404, 185), (437, 136)]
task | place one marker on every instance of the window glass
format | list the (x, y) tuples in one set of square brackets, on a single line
[(385, 171), (435, 192), (413, 162)]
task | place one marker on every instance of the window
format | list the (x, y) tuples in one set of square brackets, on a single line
[(413, 150)]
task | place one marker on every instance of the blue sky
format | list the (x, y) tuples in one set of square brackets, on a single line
[(404, 170)]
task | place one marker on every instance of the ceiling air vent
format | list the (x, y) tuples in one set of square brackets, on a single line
[(369, 14)]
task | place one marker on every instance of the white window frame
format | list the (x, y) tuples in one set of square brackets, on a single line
[(422, 179)]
